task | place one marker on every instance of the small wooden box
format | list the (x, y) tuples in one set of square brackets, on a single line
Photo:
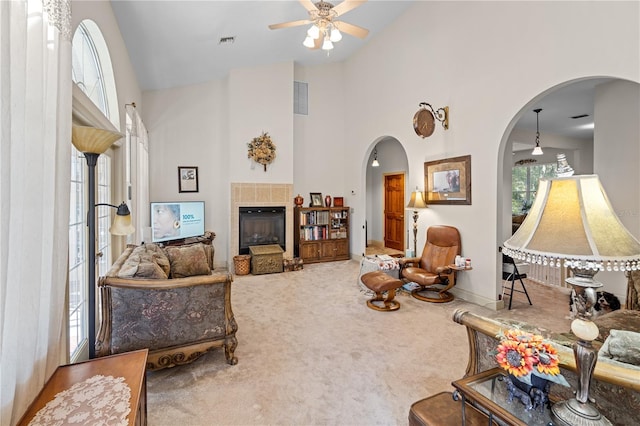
[(294, 264), (266, 259)]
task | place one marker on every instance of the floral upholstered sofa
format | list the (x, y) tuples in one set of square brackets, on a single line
[(169, 300)]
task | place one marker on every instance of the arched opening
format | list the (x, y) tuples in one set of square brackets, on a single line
[(386, 195), (593, 121)]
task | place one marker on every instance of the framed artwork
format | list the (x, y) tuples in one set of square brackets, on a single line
[(448, 181), (316, 199), (338, 201), (187, 179)]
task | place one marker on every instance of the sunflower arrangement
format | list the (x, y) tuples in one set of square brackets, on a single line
[(262, 150), (522, 354)]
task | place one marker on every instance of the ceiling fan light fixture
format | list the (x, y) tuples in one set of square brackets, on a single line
[(336, 35), (314, 32), (327, 45), (308, 42)]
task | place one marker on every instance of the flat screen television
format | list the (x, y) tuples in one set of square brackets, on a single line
[(176, 220)]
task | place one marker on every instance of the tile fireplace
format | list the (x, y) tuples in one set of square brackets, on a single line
[(261, 195)]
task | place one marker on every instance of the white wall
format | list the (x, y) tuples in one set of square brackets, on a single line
[(485, 60), (261, 100), (617, 155), (188, 127), (320, 144)]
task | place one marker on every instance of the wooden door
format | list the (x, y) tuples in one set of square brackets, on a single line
[(394, 211)]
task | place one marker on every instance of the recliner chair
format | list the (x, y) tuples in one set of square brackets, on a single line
[(431, 271)]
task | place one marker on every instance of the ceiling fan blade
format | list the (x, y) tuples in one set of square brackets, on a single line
[(290, 24), (308, 4), (346, 6), (351, 29)]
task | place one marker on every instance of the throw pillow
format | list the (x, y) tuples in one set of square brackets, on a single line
[(187, 261), (159, 257), (141, 264), (623, 346)]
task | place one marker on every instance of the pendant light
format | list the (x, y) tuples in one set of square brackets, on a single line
[(537, 150), (375, 162)]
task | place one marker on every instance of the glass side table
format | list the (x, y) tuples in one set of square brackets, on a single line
[(488, 391)]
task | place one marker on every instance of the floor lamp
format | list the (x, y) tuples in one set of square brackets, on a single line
[(572, 223), (416, 203), (92, 142)]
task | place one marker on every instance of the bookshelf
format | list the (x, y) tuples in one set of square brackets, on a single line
[(321, 234)]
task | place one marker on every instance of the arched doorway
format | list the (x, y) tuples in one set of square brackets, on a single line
[(593, 121), (385, 219)]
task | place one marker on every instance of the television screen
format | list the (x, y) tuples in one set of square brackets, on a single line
[(176, 220)]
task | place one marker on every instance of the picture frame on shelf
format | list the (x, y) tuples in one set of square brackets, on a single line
[(448, 181), (338, 202), (316, 199), (187, 179)]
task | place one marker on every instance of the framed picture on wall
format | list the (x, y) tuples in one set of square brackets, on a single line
[(187, 179), (448, 181)]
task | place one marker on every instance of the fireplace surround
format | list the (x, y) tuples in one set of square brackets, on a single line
[(260, 195)]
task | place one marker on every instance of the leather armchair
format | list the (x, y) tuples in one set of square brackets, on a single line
[(431, 270)]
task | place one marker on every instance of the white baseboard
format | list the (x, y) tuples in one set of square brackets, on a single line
[(495, 305)]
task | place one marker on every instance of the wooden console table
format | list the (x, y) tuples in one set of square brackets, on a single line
[(129, 366)]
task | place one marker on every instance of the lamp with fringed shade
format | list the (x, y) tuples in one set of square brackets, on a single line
[(572, 223)]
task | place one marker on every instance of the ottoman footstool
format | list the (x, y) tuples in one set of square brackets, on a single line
[(379, 282)]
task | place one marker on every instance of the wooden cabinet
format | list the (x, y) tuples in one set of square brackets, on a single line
[(321, 234)]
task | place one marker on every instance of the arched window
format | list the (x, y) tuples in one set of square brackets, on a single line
[(94, 104)]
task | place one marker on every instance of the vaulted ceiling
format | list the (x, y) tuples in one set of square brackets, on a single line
[(178, 43)]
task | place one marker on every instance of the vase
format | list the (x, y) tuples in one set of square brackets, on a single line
[(298, 200), (327, 201), (533, 396)]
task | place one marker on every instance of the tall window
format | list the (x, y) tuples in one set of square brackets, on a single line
[(92, 73), (524, 184), (77, 253)]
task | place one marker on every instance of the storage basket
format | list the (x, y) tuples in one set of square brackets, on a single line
[(241, 264)]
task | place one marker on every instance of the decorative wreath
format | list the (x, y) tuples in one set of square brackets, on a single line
[(262, 150)]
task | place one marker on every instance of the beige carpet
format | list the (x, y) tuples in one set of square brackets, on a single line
[(310, 352)]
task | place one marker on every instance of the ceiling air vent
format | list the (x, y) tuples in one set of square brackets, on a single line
[(579, 116), (227, 40)]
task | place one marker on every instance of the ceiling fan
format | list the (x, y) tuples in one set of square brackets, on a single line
[(326, 27)]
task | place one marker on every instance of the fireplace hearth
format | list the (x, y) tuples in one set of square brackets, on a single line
[(261, 226)]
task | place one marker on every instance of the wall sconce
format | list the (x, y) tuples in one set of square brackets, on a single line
[(424, 119)]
